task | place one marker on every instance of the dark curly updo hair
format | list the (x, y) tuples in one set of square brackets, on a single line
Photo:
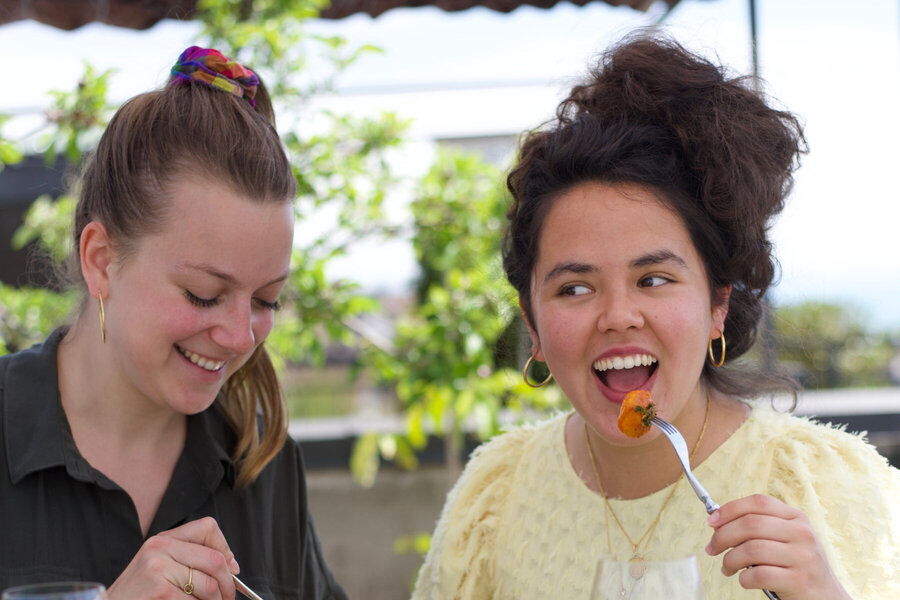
[(712, 148)]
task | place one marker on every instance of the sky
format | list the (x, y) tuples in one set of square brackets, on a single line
[(834, 63)]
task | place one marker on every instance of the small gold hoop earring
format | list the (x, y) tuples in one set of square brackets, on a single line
[(525, 375), (712, 359), (102, 318)]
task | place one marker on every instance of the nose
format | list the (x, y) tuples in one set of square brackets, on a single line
[(235, 330), (618, 311)]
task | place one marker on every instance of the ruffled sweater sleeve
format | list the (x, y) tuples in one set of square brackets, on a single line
[(851, 496), (460, 562)]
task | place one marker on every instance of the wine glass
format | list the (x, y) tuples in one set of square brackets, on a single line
[(63, 590), (637, 579)]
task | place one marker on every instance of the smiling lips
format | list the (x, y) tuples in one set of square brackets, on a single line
[(625, 373), (201, 361)]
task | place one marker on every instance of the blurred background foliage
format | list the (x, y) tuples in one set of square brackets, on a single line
[(827, 345), (453, 360), (452, 364)]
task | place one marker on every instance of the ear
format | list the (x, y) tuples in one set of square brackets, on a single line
[(532, 333), (97, 257), (720, 311)]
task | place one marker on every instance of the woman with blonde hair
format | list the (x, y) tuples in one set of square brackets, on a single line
[(145, 445)]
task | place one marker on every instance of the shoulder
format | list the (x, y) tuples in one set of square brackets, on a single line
[(286, 468), (4, 365), (495, 469), (827, 471), (503, 454), (460, 560), (42, 354), (491, 472), (849, 491), (514, 465), (31, 371), (803, 439)]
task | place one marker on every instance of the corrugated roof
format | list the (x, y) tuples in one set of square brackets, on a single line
[(142, 14)]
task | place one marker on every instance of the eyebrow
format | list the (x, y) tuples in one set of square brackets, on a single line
[(645, 260), (226, 277), (570, 267), (656, 258)]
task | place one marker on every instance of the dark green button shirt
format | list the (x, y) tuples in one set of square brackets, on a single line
[(61, 519)]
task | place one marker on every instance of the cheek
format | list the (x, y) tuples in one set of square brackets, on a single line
[(178, 320), (262, 325), (684, 325), (561, 334)]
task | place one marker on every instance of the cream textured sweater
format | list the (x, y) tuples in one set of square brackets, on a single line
[(520, 523)]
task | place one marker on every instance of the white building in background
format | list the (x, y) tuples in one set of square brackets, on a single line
[(475, 77), (484, 120)]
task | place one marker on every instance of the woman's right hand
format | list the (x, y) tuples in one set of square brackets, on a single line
[(163, 565)]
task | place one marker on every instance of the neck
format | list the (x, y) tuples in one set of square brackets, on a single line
[(99, 399)]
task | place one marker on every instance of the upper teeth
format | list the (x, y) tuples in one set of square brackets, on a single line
[(207, 363), (624, 362)]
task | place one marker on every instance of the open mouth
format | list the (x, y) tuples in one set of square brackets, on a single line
[(625, 373), (208, 364)]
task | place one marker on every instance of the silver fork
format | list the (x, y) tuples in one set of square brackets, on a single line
[(684, 457), (242, 588), (681, 451)]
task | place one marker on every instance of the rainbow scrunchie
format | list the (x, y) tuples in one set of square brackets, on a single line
[(214, 69)]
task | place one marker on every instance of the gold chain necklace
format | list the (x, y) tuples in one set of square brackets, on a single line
[(637, 564)]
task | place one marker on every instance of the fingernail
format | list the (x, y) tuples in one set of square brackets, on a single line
[(235, 568), (713, 518), (709, 549)]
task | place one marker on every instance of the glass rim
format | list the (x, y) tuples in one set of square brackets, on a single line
[(54, 587), (671, 559)]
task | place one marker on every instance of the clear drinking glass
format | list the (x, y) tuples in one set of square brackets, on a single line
[(64, 590), (677, 579)]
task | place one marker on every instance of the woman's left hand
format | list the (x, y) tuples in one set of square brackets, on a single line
[(774, 547)]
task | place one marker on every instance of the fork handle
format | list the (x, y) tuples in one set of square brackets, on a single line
[(771, 595)]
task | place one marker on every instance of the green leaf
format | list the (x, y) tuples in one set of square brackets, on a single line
[(417, 543), (9, 154), (364, 459)]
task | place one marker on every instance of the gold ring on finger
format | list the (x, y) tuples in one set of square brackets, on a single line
[(189, 586)]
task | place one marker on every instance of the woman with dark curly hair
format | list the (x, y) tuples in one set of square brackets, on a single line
[(638, 243)]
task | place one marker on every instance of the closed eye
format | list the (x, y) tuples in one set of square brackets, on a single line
[(273, 306), (201, 302)]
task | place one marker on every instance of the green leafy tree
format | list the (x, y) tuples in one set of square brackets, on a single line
[(831, 345), (340, 162), (73, 124), (453, 358)]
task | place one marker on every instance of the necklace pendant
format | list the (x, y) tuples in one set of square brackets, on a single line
[(637, 567)]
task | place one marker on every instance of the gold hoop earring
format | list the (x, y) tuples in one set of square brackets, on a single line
[(525, 375), (102, 318), (712, 359)]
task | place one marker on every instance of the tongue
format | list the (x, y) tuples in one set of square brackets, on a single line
[(625, 380)]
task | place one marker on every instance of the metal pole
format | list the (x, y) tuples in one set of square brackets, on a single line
[(754, 54), (767, 341)]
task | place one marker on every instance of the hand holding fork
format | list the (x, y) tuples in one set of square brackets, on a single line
[(793, 526), (681, 451)]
